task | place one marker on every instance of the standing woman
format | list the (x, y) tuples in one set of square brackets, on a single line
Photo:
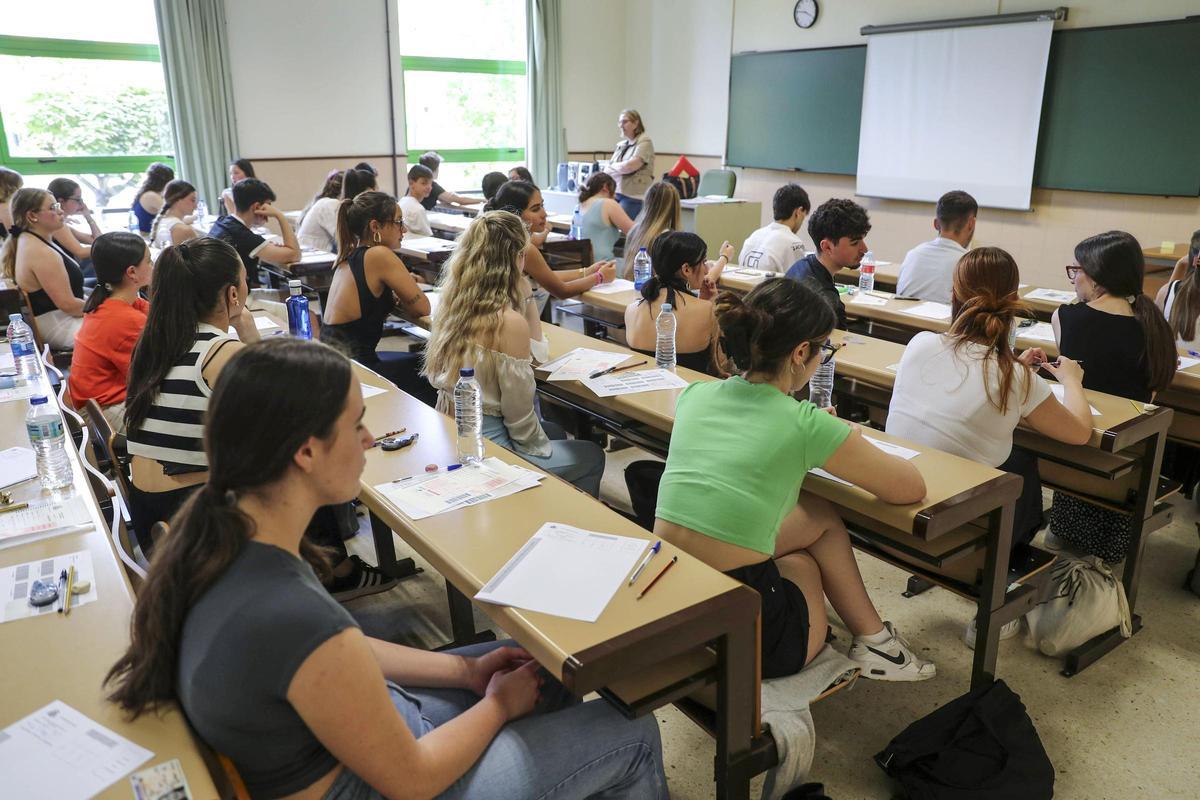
[(239, 170), (149, 200), (369, 282), (70, 196), (10, 181), (601, 217), (318, 223), (38, 265), (481, 323), (632, 162), (660, 213), (113, 318), (1180, 300), (173, 226), (1127, 349)]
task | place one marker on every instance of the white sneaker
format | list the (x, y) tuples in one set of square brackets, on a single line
[(1008, 631), (893, 660)]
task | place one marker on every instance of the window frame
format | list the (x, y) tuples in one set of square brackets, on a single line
[(38, 47)]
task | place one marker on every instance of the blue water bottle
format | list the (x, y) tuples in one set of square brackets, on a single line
[(297, 310)]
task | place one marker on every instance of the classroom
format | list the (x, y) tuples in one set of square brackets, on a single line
[(788, 399)]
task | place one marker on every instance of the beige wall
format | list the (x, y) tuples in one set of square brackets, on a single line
[(296, 180)]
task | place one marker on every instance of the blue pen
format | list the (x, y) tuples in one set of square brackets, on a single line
[(653, 550), (1193, 354)]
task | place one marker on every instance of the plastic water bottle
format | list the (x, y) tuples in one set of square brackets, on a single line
[(299, 324), (641, 268), (576, 224), (820, 386), (664, 346), (24, 350), (49, 440), (468, 416), (866, 273)]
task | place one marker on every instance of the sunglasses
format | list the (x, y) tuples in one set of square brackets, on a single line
[(1072, 272), (828, 350)]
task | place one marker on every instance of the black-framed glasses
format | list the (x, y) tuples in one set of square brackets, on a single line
[(1073, 272), (828, 351)]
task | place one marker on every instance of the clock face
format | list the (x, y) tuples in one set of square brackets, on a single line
[(805, 13)]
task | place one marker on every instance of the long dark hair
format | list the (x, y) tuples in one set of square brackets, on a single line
[(669, 254), (356, 181), (760, 330), (175, 191), (112, 254), (512, 196), (158, 175), (1114, 260), (62, 188), (308, 384), (187, 285), (1186, 305), (596, 184), (354, 216), (245, 166), (332, 188)]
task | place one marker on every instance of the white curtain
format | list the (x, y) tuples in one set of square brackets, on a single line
[(545, 139)]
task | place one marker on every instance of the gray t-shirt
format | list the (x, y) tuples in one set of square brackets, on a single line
[(241, 644)]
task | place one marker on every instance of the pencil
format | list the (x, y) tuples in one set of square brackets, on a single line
[(650, 585), (380, 438), (70, 584), (631, 366), (13, 507), (1136, 407)]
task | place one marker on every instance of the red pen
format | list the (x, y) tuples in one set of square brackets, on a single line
[(650, 585)]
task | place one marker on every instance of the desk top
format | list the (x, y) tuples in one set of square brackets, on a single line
[(1180, 250), (65, 658)]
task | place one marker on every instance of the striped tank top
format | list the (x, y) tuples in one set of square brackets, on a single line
[(173, 431)]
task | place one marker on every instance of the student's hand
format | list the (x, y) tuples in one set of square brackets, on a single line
[(1066, 371), (481, 668), (708, 289), (515, 690), (727, 251), (1032, 357), (607, 270), (268, 210)]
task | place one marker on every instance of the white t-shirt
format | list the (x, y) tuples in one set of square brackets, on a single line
[(1172, 293), (318, 229), (940, 400), (162, 238), (928, 270), (772, 249), (415, 218)]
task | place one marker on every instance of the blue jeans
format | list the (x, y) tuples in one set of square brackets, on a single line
[(631, 205), (577, 461), (563, 750)]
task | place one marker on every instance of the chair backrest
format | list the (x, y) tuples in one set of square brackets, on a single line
[(112, 457), (717, 181), (101, 436)]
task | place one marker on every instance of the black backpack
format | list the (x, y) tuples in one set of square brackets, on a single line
[(981, 746)]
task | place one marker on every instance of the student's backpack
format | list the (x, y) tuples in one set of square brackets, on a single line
[(684, 177), (1086, 600), (981, 746)]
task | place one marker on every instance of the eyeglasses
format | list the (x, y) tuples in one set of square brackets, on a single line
[(76, 199), (53, 207), (1072, 272), (829, 350)]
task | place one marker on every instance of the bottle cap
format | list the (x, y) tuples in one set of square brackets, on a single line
[(14, 317), (641, 249), (466, 372), (294, 286), (37, 400), (666, 307)]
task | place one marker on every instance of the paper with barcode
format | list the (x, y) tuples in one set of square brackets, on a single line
[(1038, 331), (1051, 295), (565, 571), (582, 362), (428, 494), (44, 518)]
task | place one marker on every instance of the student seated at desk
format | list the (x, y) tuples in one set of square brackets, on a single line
[(602, 219), (420, 184), (519, 173), (482, 323), (684, 278), (777, 246), (69, 195), (524, 199), (173, 224), (148, 200), (433, 162), (1128, 350), (10, 182), (1180, 299), (740, 450), (928, 269), (355, 182), (965, 392), (239, 170), (233, 625), (113, 318), (318, 222), (253, 203), (369, 281), (41, 268), (492, 183), (660, 212), (839, 229)]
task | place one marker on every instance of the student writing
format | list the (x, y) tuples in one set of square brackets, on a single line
[(318, 224)]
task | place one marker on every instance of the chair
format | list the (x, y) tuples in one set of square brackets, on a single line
[(717, 181), (102, 437)]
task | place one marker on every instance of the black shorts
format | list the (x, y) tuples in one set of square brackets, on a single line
[(784, 618)]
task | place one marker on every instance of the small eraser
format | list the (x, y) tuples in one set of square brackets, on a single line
[(431, 467), (81, 587)]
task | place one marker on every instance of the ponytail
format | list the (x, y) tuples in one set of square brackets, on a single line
[(1161, 356), (760, 331), (596, 184), (354, 217), (24, 202), (1186, 305), (112, 254), (670, 252), (345, 238), (174, 191)]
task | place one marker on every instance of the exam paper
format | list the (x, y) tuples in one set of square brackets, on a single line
[(583, 361), (17, 464), (264, 323), (617, 286), (1186, 361), (820, 473), (432, 493), (57, 752), (1060, 392), (928, 310), (1051, 295), (864, 299), (43, 519), (15, 583), (565, 571), (634, 381), (1038, 331), (370, 391), (21, 392), (908, 454), (7, 363)]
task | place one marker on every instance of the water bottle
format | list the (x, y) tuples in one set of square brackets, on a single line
[(299, 324), (201, 211), (866, 273), (49, 440), (820, 386), (24, 351), (576, 224), (664, 346), (468, 416), (641, 268)]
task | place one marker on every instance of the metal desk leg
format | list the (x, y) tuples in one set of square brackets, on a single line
[(991, 594), (462, 621), (735, 711), (385, 551)]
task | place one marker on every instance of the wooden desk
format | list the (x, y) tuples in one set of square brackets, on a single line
[(887, 276), (1160, 257), (66, 658)]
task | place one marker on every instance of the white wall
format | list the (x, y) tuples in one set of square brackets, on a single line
[(593, 71)]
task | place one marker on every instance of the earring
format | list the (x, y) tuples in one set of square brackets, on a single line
[(377, 237)]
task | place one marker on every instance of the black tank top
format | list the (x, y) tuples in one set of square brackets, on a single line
[(699, 361), (361, 335), (1111, 347), (39, 301)]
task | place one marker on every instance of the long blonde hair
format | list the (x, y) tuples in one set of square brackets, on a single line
[(480, 280), (24, 202), (660, 212)]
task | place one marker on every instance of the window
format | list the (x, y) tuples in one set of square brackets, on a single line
[(464, 85), (91, 105)]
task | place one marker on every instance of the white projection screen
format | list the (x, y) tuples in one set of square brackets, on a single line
[(956, 108)]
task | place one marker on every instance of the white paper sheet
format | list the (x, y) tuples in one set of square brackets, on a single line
[(427, 244), (58, 752), (7, 364), (893, 367), (565, 571), (432, 493), (1186, 362), (1060, 392), (1051, 295), (928, 310), (21, 392), (17, 464), (820, 473), (44, 519), (891, 448), (369, 391), (1038, 331), (617, 286), (864, 299), (264, 323), (634, 381), (583, 361), (15, 583)]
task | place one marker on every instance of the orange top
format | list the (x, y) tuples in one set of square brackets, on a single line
[(103, 347)]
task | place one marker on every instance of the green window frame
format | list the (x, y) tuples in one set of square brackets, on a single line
[(37, 47), (482, 66)]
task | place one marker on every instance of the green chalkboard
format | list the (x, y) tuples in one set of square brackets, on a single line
[(796, 109), (1122, 110)]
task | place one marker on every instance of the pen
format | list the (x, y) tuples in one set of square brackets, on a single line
[(616, 369), (62, 588), (70, 584), (379, 439), (650, 585), (1136, 407), (653, 550), (13, 507), (1193, 353)]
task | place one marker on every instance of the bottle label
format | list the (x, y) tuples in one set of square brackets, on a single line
[(866, 269), (44, 429), (22, 349)]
